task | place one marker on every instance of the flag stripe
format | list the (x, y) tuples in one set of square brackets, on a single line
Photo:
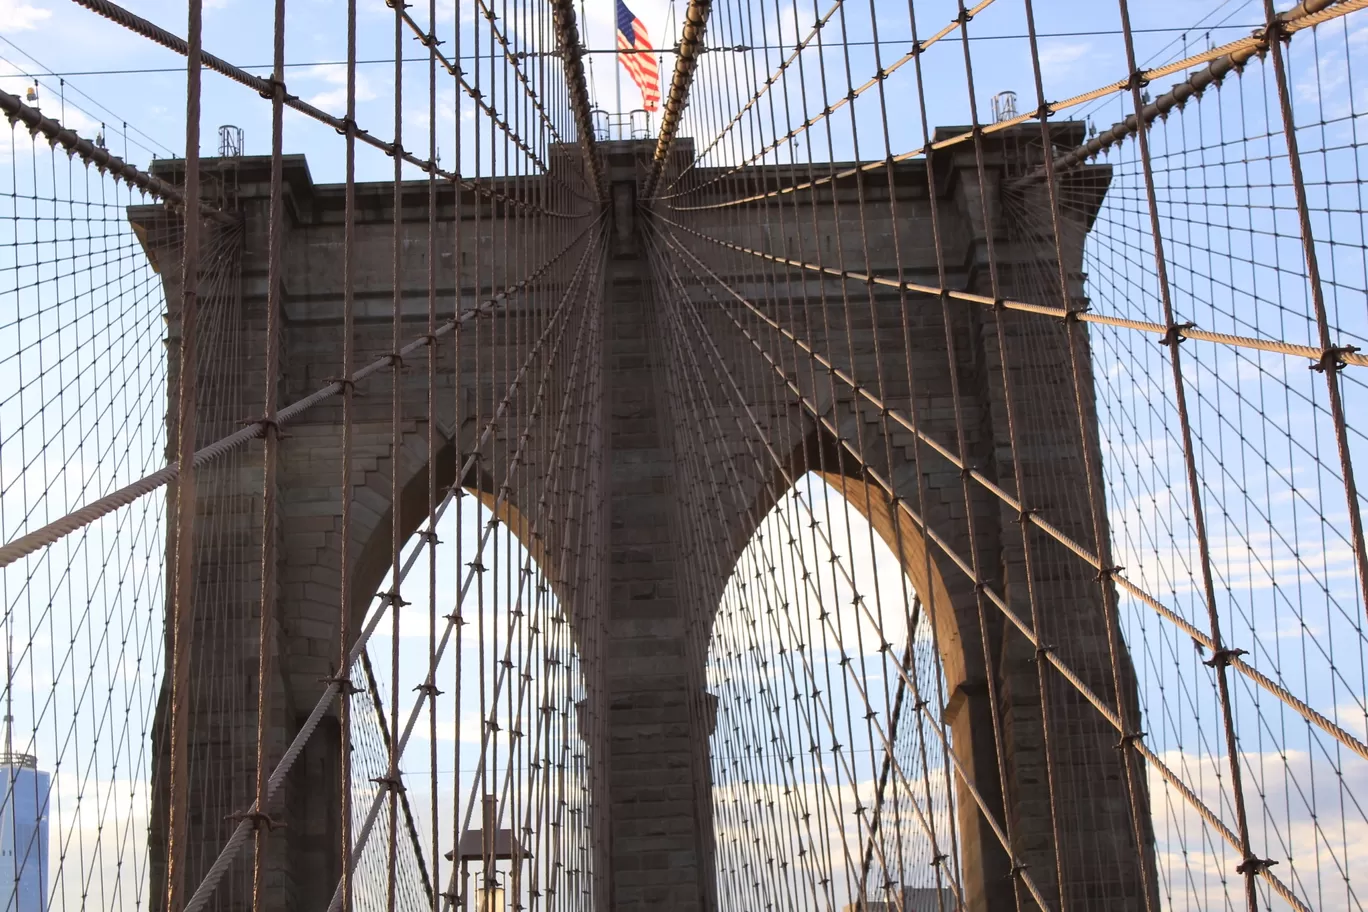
[(641, 67)]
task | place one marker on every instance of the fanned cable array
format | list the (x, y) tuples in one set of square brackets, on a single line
[(878, 491), (175, 667), (1064, 376)]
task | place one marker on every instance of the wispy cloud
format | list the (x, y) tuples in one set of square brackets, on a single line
[(19, 16), (1058, 59), (334, 98)]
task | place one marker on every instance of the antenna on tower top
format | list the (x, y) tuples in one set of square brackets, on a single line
[(1004, 106), (230, 141)]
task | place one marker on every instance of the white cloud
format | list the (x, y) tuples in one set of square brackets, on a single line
[(16, 82), (1059, 58), (1317, 837), (98, 835), (335, 98), (20, 16), (471, 723)]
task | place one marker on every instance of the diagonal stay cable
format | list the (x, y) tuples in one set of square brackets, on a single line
[(790, 483), (920, 48), (453, 68), (1291, 700), (84, 516), (998, 601), (205, 891), (34, 120), (1297, 19), (759, 93), (1305, 15), (475, 567), (1316, 355), (808, 669), (159, 35), (373, 691)]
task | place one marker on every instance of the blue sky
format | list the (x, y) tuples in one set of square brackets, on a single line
[(71, 39), (1285, 581)]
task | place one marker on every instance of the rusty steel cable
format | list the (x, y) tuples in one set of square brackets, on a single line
[(152, 32), (690, 46), (998, 601), (1295, 22), (33, 120), (568, 42), (1034, 518), (182, 565), (1283, 23), (60, 528), (805, 506), (1315, 354), (1312, 353)]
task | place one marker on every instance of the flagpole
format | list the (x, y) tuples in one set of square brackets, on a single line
[(618, 72)]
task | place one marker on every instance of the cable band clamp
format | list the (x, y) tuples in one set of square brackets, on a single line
[(344, 684), (257, 819), (1222, 658), (1128, 740), (1252, 865), (1332, 359), (1174, 334), (1105, 574)]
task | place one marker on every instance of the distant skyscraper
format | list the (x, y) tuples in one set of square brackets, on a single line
[(23, 833)]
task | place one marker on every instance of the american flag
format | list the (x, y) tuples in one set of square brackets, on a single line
[(641, 66)]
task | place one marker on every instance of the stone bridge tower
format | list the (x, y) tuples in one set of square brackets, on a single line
[(658, 839)]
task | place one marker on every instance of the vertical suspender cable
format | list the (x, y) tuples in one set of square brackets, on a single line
[(183, 597)]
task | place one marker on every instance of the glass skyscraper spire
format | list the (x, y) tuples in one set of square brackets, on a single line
[(23, 833)]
